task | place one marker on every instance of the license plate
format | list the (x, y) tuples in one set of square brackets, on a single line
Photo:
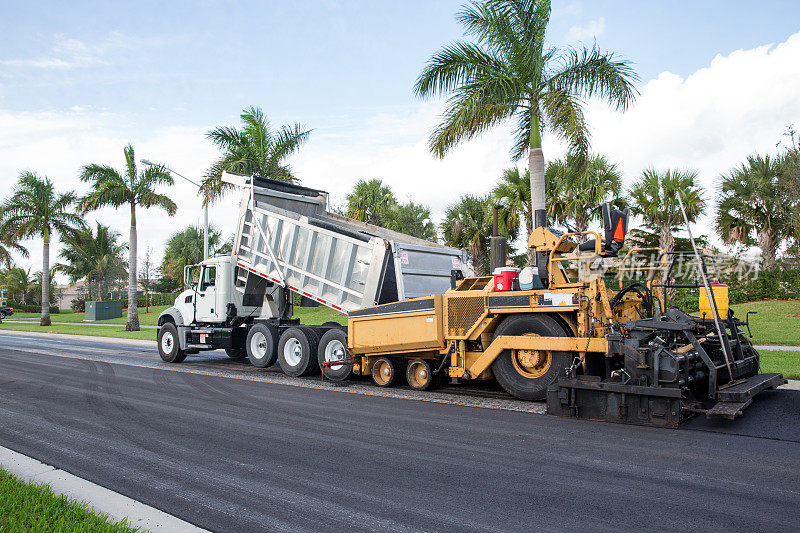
[(202, 338)]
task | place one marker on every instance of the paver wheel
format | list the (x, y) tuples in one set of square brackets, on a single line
[(262, 345), (169, 348), (297, 351), (333, 347), (526, 374), (419, 375), (384, 372)]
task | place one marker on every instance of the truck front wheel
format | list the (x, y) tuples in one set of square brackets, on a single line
[(169, 348), (526, 374)]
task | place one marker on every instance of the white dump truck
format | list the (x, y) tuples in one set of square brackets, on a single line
[(287, 243)]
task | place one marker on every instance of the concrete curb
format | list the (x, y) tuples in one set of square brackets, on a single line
[(777, 347), (100, 499), (81, 323)]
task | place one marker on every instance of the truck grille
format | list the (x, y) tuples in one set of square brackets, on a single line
[(462, 313)]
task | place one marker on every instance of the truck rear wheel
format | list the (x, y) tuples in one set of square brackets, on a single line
[(169, 347), (384, 372), (333, 347), (262, 345), (297, 351), (526, 374)]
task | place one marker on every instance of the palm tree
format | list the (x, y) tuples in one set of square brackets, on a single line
[(513, 193), (752, 202), (654, 197), (95, 256), (185, 247), (468, 225), (254, 149), (35, 208), (509, 74), (133, 188), (576, 187), (52, 292), (6, 246), (412, 219), (18, 282), (370, 201)]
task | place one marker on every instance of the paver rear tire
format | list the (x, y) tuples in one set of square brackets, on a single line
[(523, 373), (169, 347), (262, 345), (297, 351)]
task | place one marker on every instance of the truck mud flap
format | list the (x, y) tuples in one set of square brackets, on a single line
[(586, 397)]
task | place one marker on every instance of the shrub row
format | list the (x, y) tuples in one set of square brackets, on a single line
[(29, 308)]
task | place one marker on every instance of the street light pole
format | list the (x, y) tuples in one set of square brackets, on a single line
[(205, 205)]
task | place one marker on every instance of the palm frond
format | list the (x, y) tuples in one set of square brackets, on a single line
[(590, 72)]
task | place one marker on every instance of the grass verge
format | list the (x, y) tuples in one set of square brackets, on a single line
[(788, 363), (777, 321), (81, 329), (26, 506)]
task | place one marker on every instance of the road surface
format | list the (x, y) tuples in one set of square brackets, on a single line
[(234, 454)]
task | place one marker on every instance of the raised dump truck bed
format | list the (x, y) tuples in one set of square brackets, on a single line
[(286, 236)]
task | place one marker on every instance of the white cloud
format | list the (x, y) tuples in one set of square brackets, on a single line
[(584, 32), (738, 104)]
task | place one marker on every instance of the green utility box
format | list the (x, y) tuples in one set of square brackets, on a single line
[(103, 310)]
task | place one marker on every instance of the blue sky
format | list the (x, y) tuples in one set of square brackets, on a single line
[(200, 62), (79, 80)]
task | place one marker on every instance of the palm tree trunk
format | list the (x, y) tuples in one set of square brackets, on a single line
[(666, 242), (768, 244), (132, 322), (45, 321), (582, 224), (536, 166), (529, 227)]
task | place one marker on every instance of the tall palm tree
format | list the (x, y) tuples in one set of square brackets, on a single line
[(468, 225), (185, 247), (510, 74), (36, 209), (96, 256), (513, 193), (752, 201), (253, 149), (131, 187), (370, 201), (654, 197), (576, 187)]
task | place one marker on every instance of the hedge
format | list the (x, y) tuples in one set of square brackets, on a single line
[(30, 308)]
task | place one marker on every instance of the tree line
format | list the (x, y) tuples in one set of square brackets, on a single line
[(504, 73)]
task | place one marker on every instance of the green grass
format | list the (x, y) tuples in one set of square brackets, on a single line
[(777, 321), (787, 363), (144, 318), (26, 506), (81, 329), (314, 316)]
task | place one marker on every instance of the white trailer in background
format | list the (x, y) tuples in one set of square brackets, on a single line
[(287, 242)]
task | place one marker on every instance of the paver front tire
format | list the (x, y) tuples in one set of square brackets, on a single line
[(297, 351), (384, 372), (262, 345), (169, 347), (333, 347), (526, 374)]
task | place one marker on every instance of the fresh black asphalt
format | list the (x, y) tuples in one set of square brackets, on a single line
[(237, 455)]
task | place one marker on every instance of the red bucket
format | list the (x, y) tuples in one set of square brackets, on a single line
[(504, 278)]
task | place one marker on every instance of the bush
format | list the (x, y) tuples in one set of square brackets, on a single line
[(30, 308)]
